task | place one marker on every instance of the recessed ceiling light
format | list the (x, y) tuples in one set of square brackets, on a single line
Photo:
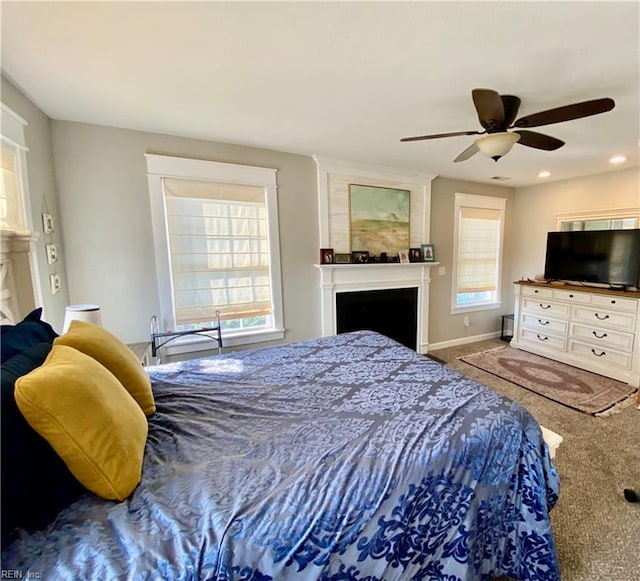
[(618, 159), (544, 174)]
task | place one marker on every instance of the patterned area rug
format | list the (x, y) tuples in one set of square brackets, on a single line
[(581, 390)]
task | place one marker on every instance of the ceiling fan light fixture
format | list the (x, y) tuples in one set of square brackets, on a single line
[(497, 114), (495, 145)]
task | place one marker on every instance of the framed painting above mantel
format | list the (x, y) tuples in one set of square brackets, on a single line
[(379, 219)]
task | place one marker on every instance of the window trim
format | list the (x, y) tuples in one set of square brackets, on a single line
[(476, 201), (163, 166)]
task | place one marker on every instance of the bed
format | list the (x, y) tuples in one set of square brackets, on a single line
[(346, 458)]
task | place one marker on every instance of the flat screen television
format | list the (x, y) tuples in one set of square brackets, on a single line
[(609, 257)]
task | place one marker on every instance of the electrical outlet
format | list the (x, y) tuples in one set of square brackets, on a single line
[(466, 322), (442, 271)]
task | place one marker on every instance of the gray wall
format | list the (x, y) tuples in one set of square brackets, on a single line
[(443, 326), (537, 208), (42, 189), (104, 201)]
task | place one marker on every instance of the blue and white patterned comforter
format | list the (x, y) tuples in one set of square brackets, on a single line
[(343, 458)]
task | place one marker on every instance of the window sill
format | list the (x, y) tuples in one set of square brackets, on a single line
[(474, 308), (196, 343)]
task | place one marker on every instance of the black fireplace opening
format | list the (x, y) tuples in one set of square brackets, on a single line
[(392, 312)]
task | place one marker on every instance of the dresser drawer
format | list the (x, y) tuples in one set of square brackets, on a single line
[(602, 338), (605, 356), (545, 307), (605, 317), (572, 296), (618, 303), (543, 324), (532, 291), (545, 339)]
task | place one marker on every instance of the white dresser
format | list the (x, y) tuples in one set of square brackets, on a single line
[(591, 328)]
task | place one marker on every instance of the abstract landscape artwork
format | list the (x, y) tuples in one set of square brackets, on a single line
[(379, 219)]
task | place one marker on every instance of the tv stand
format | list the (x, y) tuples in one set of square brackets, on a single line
[(597, 329)]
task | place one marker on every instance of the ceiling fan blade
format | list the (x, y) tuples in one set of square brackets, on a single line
[(437, 135), (490, 109), (566, 113), (511, 105), (538, 140), (467, 153)]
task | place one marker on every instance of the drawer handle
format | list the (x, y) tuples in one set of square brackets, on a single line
[(599, 336), (613, 302), (601, 318), (570, 296), (547, 307), (598, 354), (544, 322), (536, 291), (543, 338)]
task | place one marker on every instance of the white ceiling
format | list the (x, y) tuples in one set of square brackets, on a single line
[(345, 80)]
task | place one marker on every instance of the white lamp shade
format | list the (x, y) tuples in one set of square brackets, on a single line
[(87, 313), (495, 145)]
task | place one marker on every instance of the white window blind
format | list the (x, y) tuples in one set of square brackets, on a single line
[(478, 249), (219, 250)]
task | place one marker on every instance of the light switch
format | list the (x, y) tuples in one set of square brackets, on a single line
[(442, 271)]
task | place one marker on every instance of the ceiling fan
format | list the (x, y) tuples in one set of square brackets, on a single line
[(497, 114)]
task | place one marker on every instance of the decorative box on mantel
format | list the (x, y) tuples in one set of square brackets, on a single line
[(347, 278)]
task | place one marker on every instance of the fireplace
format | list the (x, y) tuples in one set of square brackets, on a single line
[(334, 178), (364, 289), (392, 312)]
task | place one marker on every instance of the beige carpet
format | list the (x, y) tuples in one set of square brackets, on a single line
[(597, 531), (576, 388)]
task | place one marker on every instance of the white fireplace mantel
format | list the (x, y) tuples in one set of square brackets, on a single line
[(338, 278)]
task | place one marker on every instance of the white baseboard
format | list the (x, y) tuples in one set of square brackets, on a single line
[(464, 341)]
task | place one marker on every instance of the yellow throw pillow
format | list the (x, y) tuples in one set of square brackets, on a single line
[(107, 349), (88, 418)]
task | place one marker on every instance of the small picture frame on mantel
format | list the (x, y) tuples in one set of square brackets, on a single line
[(428, 253), (360, 257), (415, 255), (326, 256), (342, 258)]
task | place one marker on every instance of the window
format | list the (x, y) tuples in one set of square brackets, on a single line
[(478, 233), (620, 219), (217, 248), (10, 194), (13, 208)]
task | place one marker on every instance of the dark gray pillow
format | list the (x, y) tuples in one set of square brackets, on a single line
[(15, 339)]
